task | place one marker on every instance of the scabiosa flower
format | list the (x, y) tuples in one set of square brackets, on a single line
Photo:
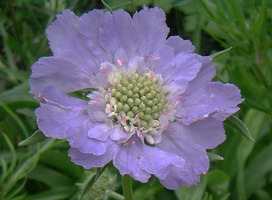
[(155, 110)]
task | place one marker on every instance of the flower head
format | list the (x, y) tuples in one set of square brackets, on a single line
[(155, 110)]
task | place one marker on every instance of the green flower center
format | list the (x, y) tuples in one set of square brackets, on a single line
[(136, 101)]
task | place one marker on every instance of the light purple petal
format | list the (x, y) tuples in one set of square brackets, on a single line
[(77, 135), (99, 80), (118, 32), (151, 29), (64, 117), (53, 96), (207, 133), (194, 155), (162, 61), (59, 73), (89, 160), (215, 99), (180, 45), (57, 112), (204, 76), (120, 136), (127, 161), (67, 42), (178, 176), (196, 160), (96, 108), (135, 157), (120, 58), (89, 25), (100, 131), (158, 162), (137, 63), (186, 68)]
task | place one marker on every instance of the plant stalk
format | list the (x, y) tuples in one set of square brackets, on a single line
[(127, 187)]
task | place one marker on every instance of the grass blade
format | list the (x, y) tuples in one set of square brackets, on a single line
[(92, 181), (37, 136), (220, 53), (237, 124)]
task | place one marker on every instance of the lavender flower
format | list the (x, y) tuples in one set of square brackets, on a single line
[(155, 110)]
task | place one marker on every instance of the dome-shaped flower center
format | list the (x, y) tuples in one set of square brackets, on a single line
[(136, 101)]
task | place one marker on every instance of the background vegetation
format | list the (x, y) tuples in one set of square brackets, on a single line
[(43, 171)]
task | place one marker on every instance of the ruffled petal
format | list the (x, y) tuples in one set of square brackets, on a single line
[(195, 157), (135, 157), (208, 133), (58, 112), (127, 161), (118, 135), (78, 138), (158, 162), (96, 108), (89, 25), (64, 117), (57, 72), (162, 61), (89, 160), (118, 32), (151, 29), (204, 76), (67, 42), (100, 132), (178, 177), (186, 68), (180, 45), (215, 99), (120, 58)]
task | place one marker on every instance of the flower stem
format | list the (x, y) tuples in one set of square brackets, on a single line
[(115, 195), (127, 187)]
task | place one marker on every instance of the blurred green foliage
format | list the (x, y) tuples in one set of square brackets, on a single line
[(43, 170)]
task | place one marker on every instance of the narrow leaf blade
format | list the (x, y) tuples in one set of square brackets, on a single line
[(37, 136), (214, 157), (237, 124), (220, 53), (92, 181)]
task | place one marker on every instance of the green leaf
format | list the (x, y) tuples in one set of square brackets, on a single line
[(4, 170), (254, 120), (237, 124), (262, 194), (257, 170), (141, 193), (107, 6), (60, 161), (8, 171), (10, 58), (81, 94), (50, 177), (165, 5), (19, 187), (220, 53), (22, 170), (92, 181), (218, 181), (16, 119), (214, 157), (257, 27), (103, 188), (37, 136), (17, 93), (58, 193), (239, 16), (193, 192)]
